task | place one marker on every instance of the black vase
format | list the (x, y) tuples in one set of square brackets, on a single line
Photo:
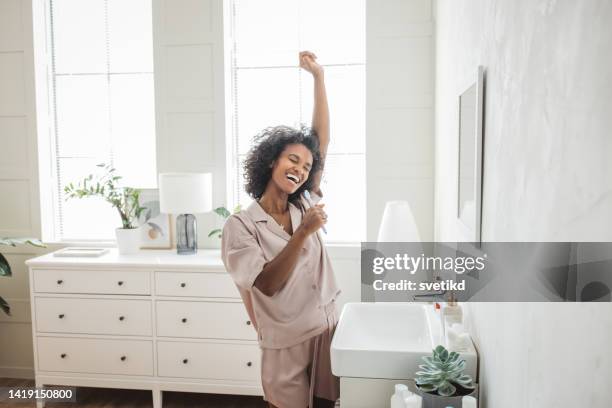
[(438, 401)]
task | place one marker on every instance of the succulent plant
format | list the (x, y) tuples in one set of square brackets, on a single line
[(442, 372)]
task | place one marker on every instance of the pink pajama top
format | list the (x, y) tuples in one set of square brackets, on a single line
[(297, 312)]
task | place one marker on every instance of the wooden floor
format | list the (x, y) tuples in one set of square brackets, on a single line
[(114, 398)]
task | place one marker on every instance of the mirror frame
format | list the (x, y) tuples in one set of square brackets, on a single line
[(472, 233)]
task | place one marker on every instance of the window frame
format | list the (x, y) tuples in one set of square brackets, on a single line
[(46, 111)]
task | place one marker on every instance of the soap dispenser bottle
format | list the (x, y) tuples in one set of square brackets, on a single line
[(412, 400), (397, 399), (450, 314)]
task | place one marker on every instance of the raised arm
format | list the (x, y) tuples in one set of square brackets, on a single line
[(320, 114)]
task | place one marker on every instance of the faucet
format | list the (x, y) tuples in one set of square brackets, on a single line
[(431, 295)]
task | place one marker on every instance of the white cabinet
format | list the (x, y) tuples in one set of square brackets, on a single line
[(219, 361), (214, 285), (91, 281), (86, 355), (93, 316), (212, 320), (154, 320)]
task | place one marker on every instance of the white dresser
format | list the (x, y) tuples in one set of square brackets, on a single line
[(155, 320)]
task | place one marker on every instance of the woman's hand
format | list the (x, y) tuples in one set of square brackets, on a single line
[(314, 218), (308, 61)]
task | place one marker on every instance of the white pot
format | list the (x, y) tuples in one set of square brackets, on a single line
[(128, 240)]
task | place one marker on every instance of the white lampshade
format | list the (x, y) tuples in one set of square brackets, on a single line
[(398, 224), (185, 193)]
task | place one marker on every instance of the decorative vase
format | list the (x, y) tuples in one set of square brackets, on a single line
[(437, 401), (128, 240)]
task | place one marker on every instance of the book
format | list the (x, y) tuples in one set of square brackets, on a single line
[(78, 252)]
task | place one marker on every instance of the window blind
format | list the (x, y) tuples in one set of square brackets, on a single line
[(102, 101)]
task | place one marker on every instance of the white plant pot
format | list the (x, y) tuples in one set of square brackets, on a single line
[(128, 240)]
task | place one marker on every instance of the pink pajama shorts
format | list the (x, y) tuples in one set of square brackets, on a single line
[(293, 376)]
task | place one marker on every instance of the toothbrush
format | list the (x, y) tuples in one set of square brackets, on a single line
[(307, 197)]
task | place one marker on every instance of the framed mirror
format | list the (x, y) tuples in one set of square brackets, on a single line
[(469, 180)]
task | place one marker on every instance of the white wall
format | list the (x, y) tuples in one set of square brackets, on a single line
[(399, 110), (18, 157), (547, 177), (19, 197), (190, 95)]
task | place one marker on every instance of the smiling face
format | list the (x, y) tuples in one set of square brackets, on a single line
[(292, 168)]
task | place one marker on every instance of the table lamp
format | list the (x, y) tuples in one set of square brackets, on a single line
[(185, 194), (398, 224)]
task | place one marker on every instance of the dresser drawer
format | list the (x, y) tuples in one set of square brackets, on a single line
[(209, 360), (201, 284), (130, 357), (103, 282), (93, 316), (215, 320)]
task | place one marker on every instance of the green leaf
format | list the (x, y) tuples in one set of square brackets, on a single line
[(427, 387), (428, 360), (428, 380), (222, 211), (22, 241), (5, 268), (5, 306), (447, 389), (213, 232), (465, 381)]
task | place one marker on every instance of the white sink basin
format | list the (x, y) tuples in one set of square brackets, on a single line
[(387, 340)]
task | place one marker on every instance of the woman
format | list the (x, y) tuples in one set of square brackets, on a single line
[(275, 255)]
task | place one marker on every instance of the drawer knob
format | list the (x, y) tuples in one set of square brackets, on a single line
[(60, 281), (63, 355), (123, 358), (121, 318), (120, 283), (248, 322), (185, 361), (183, 284), (184, 320), (61, 316), (249, 364)]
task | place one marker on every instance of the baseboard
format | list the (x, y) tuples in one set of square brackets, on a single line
[(17, 372)]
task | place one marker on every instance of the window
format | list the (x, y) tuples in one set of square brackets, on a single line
[(269, 89), (102, 105)]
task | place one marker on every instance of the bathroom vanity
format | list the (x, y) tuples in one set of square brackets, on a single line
[(378, 345), (155, 321)]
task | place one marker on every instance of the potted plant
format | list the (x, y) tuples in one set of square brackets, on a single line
[(5, 268), (223, 213), (124, 199), (441, 382)]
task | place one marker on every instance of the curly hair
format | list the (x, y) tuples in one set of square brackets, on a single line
[(268, 145)]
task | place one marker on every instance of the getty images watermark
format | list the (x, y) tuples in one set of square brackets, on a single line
[(412, 264), (487, 272)]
